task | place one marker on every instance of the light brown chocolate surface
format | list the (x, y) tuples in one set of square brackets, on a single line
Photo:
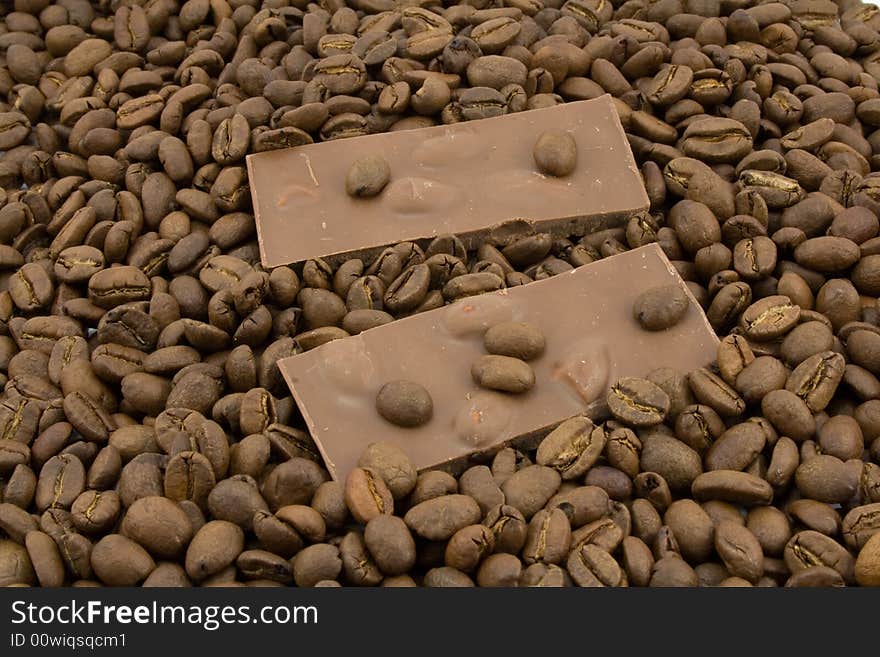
[(463, 178), (592, 339)]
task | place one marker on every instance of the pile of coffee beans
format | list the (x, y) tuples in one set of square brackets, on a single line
[(147, 437)]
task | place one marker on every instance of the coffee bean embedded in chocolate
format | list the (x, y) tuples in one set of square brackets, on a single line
[(503, 373), (404, 403), (516, 339), (367, 176), (555, 153), (661, 307)]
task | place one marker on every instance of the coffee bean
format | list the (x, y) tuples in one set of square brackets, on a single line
[(157, 524), (661, 307), (62, 479), (739, 550), (673, 460), (529, 489), (555, 154), (508, 528), (439, 518), (592, 566), (638, 402), (189, 476), (390, 544), (867, 572), (826, 478), (95, 512), (860, 524), (216, 545), (810, 548), (514, 339), (711, 390), (367, 496), (404, 403), (572, 448), (392, 464), (119, 561), (367, 176), (503, 373), (732, 486)]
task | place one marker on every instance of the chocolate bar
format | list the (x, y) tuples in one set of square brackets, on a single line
[(591, 335), (463, 178)]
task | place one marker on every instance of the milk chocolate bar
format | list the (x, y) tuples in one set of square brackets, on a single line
[(592, 339), (463, 178)]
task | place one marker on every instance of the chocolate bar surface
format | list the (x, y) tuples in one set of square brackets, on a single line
[(592, 339), (463, 178)]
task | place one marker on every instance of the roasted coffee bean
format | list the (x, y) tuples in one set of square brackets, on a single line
[(392, 464), (592, 566), (404, 403), (572, 448), (732, 486), (358, 566), (530, 488), (119, 561), (661, 308), (816, 379), (638, 402), (159, 525), (439, 518), (809, 548), (62, 479), (503, 373), (711, 390), (514, 339), (95, 512), (213, 547), (739, 550), (555, 154), (866, 569), (367, 176), (827, 479), (367, 496)]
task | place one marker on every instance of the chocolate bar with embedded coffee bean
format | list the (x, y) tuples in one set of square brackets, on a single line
[(591, 338), (464, 178)]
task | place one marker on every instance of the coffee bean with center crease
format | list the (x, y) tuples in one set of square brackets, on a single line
[(408, 290), (638, 402), (367, 495), (117, 285), (549, 537), (592, 566), (809, 548), (392, 464), (62, 479), (572, 448)]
